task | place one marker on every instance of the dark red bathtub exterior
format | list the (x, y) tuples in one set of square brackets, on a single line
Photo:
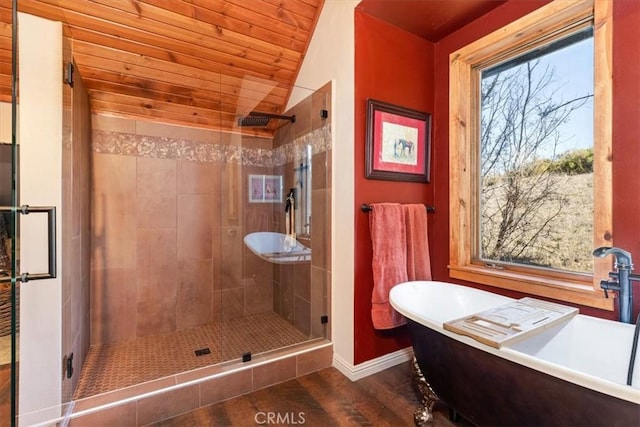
[(490, 391)]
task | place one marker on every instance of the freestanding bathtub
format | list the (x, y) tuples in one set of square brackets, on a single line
[(571, 374)]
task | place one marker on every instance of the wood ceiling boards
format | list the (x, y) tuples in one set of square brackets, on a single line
[(205, 62), (193, 62)]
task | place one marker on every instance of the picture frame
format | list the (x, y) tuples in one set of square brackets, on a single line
[(265, 188), (398, 143)]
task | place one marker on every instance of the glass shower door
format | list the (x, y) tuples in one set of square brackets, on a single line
[(12, 278), (8, 292), (272, 270), (8, 242)]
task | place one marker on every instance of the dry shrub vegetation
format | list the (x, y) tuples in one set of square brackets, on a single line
[(564, 242)]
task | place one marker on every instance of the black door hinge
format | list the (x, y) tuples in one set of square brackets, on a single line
[(68, 74), (69, 366)]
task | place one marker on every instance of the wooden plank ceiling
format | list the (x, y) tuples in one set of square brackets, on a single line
[(193, 62), (206, 62)]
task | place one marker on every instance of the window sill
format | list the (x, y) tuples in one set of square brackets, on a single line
[(581, 293)]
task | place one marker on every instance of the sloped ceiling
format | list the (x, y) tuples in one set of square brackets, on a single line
[(206, 62), (193, 62)]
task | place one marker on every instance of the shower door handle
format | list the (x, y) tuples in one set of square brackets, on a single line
[(51, 237)]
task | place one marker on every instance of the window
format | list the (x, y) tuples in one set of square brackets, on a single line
[(529, 145), (536, 157)]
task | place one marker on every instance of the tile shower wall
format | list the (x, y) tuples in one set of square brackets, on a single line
[(167, 241), (170, 209)]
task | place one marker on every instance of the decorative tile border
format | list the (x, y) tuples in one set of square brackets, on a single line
[(320, 140), (129, 144)]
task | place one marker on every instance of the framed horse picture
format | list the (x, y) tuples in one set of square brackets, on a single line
[(398, 143)]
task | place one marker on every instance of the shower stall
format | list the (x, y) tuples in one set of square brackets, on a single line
[(174, 286), (158, 292)]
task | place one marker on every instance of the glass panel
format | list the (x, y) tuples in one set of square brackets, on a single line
[(76, 217), (537, 157), (8, 197), (272, 288), (185, 272), (153, 238), (8, 289)]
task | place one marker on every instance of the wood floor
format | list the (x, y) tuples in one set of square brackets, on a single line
[(324, 398), (5, 394)]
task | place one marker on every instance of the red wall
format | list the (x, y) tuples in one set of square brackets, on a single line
[(626, 138), (626, 132), (396, 67), (393, 66)]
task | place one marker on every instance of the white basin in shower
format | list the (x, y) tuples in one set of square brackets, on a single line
[(277, 247)]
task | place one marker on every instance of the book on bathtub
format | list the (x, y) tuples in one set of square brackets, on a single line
[(511, 322)]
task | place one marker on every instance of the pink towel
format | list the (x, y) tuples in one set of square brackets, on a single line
[(386, 224), (418, 260)]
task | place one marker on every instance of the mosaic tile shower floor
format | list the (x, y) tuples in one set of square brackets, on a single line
[(111, 367)]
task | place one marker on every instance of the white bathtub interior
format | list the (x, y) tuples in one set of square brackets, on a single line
[(440, 302), (586, 344)]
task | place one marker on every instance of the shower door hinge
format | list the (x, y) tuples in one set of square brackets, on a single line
[(68, 365), (68, 74)]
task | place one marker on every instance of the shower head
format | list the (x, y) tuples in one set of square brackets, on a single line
[(253, 121), (257, 119)]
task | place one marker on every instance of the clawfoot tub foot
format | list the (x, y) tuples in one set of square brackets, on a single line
[(423, 416)]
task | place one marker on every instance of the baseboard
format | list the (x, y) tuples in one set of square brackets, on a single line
[(370, 367)]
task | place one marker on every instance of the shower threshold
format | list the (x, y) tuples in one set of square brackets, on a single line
[(115, 366)]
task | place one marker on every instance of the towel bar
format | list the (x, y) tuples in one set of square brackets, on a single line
[(368, 208)]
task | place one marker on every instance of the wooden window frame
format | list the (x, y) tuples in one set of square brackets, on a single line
[(464, 122)]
